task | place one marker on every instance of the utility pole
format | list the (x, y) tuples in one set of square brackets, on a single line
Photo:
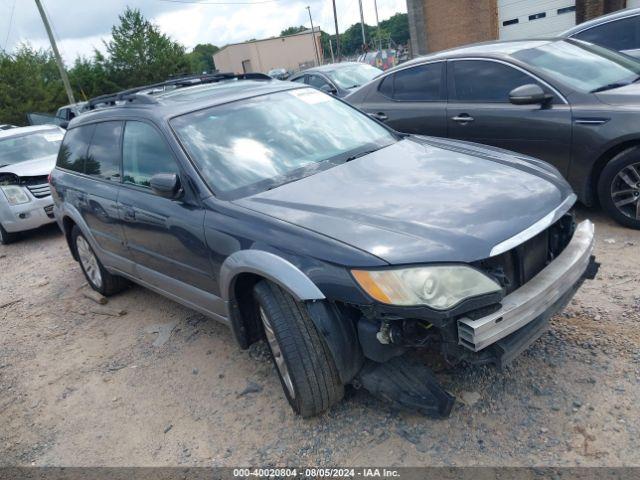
[(375, 6), (364, 39), (335, 19), (56, 53), (313, 36)]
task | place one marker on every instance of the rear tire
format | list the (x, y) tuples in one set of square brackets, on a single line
[(303, 361), (96, 275), (619, 188), (6, 237)]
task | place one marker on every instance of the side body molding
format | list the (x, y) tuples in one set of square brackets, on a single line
[(270, 266)]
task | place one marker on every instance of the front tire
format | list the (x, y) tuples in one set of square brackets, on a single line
[(619, 188), (96, 275), (6, 237), (304, 364)]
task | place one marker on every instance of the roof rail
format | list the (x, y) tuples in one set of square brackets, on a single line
[(144, 94)]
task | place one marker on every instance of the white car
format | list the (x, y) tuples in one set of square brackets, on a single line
[(27, 156)]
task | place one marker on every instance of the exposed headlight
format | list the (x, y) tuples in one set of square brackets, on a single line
[(440, 287), (15, 194)]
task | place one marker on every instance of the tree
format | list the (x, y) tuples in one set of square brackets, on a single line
[(29, 82), (293, 30), (397, 27), (201, 58), (140, 54)]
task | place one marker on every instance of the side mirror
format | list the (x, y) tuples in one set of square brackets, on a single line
[(328, 89), (63, 124), (166, 185), (529, 94)]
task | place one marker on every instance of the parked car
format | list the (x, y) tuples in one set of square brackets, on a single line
[(345, 247), (618, 31), (573, 104), (383, 59), (62, 117), (27, 156), (338, 79), (279, 73)]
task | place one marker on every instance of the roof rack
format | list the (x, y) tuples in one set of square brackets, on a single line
[(144, 94)]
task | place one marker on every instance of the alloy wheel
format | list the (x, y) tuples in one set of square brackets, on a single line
[(89, 262), (625, 191), (276, 351)]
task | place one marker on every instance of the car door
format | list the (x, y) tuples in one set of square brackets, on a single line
[(479, 110), (411, 100), (622, 35), (165, 236), (93, 153), (321, 83)]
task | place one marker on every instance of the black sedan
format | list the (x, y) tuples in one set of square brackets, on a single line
[(338, 79), (573, 104)]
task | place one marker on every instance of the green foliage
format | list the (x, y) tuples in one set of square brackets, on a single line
[(201, 58), (29, 82), (293, 30), (140, 54)]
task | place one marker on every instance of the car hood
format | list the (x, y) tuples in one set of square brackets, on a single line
[(623, 96), (32, 168), (420, 200)]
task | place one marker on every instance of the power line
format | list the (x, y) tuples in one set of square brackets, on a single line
[(6, 40)]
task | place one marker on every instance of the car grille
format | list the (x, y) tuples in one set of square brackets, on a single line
[(40, 191), (517, 266)]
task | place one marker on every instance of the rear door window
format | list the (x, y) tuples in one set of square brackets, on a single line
[(617, 35), (416, 84), (73, 151), (103, 159), (144, 154)]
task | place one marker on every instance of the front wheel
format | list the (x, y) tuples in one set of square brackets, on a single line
[(6, 237), (619, 188), (302, 359)]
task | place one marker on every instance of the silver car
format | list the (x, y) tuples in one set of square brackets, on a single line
[(27, 156)]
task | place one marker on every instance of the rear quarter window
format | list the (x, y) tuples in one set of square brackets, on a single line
[(73, 151)]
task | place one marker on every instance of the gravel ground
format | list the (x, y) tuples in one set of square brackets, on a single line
[(143, 381)]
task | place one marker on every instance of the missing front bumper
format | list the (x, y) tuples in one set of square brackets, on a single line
[(543, 295)]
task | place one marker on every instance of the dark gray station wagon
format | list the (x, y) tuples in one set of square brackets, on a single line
[(344, 247), (570, 103)]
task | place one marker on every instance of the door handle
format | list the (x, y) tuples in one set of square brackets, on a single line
[(463, 118), (379, 116)]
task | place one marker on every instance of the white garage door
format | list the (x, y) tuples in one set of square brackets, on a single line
[(535, 18)]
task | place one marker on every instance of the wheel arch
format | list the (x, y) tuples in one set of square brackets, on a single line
[(241, 271), (601, 163)]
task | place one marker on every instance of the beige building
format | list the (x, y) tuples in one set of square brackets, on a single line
[(292, 52)]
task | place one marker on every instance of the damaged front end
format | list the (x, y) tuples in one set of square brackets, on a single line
[(537, 278)]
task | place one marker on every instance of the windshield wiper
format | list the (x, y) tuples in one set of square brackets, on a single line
[(362, 154), (610, 86), (5, 165)]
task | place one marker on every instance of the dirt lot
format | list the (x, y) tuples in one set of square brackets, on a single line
[(162, 385)]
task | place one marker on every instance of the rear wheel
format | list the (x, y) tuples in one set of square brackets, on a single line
[(619, 188), (97, 276), (6, 237), (304, 364)]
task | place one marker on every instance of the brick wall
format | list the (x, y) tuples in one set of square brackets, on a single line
[(588, 9), (457, 22)]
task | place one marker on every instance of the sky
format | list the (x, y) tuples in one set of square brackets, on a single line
[(82, 25)]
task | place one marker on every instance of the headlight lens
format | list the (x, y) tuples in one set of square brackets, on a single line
[(440, 287), (15, 194)]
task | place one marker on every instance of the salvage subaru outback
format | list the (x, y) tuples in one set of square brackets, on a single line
[(289, 215)]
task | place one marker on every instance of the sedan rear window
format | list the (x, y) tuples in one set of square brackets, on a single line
[(260, 143)]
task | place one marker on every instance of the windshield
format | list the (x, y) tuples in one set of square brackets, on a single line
[(583, 66), (352, 76), (260, 143), (29, 147)]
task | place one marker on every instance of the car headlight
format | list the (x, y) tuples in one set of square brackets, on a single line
[(15, 194), (440, 287)]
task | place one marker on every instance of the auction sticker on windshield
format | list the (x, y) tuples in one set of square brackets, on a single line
[(311, 96)]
